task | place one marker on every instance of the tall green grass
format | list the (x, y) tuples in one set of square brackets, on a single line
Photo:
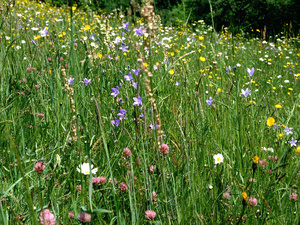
[(36, 117)]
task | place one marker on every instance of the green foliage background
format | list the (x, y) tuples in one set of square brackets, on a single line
[(239, 15)]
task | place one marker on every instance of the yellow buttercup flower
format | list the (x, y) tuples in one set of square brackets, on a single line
[(87, 27), (278, 106), (255, 159), (297, 149), (202, 59), (37, 37), (270, 121), (279, 136), (171, 72)]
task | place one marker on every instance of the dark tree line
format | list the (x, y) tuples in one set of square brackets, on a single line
[(274, 16)]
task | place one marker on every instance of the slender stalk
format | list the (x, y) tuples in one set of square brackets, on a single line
[(108, 160), (20, 165)]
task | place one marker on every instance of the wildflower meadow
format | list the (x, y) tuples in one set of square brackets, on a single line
[(109, 120)]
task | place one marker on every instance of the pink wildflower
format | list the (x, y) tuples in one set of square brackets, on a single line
[(79, 187), (39, 167), (151, 169), (252, 201), (154, 195), (226, 195), (150, 215), (72, 139), (294, 196), (71, 215), (263, 163), (95, 180), (84, 217), (164, 149), (47, 218), (102, 180), (123, 187), (126, 153), (41, 115), (99, 180)]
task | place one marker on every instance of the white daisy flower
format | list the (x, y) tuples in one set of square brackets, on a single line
[(85, 169), (218, 158)]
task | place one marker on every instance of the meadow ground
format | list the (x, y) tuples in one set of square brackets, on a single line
[(106, 121)]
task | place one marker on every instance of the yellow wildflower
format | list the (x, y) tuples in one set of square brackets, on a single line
[(279, 136), (87, 27), (202, 59), (270, 121), (255, 159), (171, 72), (278, 106), (37, 37), (245, 196)]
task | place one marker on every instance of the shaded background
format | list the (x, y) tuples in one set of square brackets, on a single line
[(238, 15)]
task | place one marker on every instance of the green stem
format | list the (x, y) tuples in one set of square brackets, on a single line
[(20, 165)]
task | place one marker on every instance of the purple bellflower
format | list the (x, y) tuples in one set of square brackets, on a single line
[(115, 122), (86, 81), (288, 131), (140, 31), (121, 114), (128, 77), (137, 101), (70, 80), (246, 92), (209, 101), (228, 69), (124, 48), (136, 72), (115, 91), (134, 84), (125, 26), (44, 32), (293, 142), (251, 72)]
